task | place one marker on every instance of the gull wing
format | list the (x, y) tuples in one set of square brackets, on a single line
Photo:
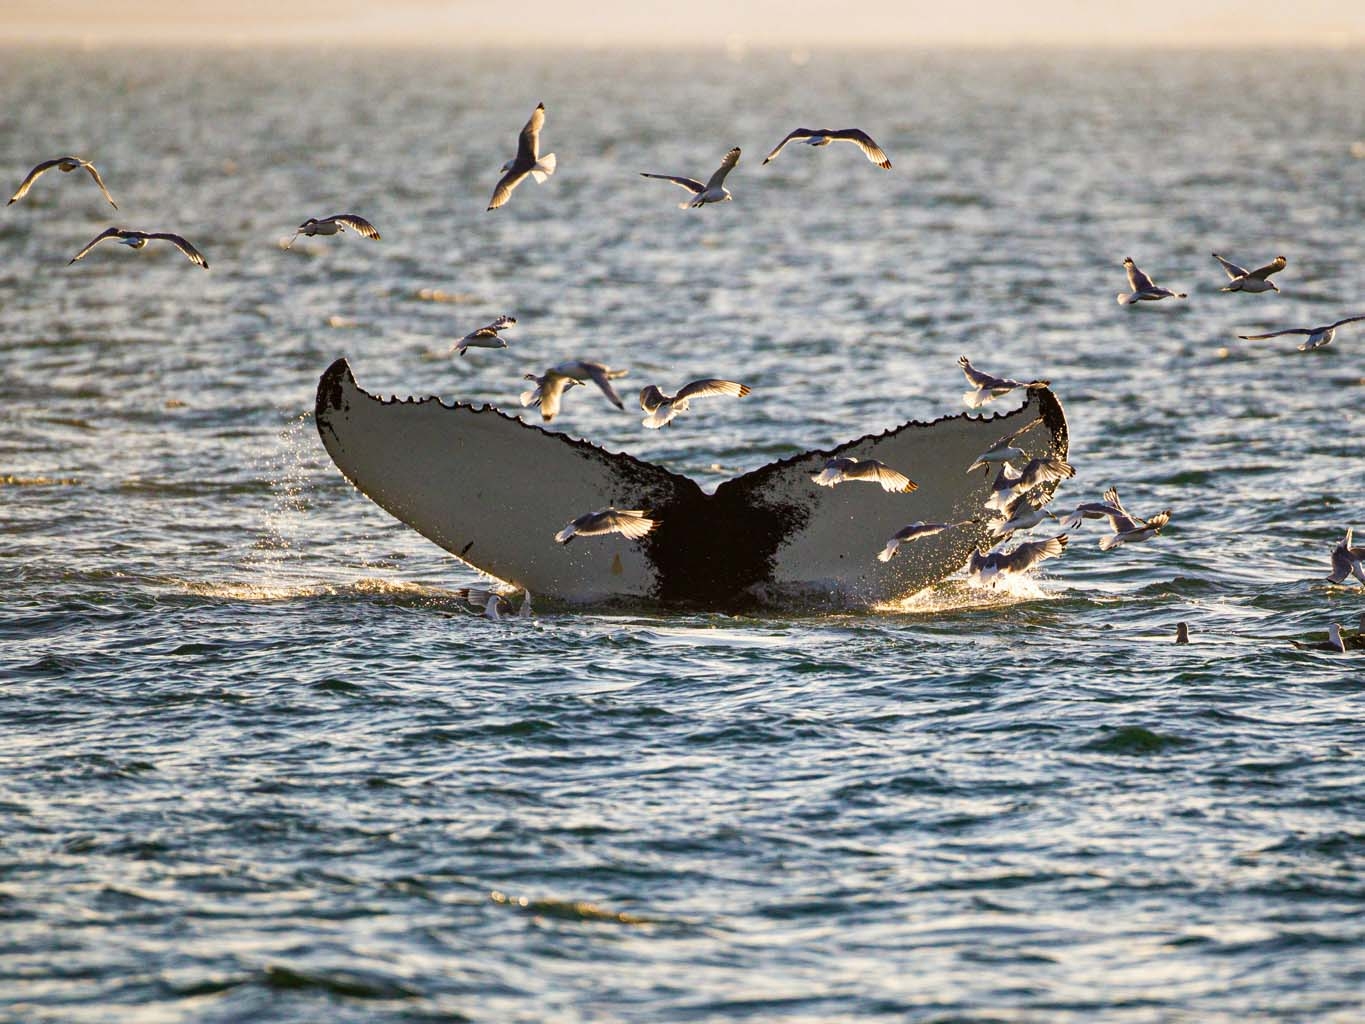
[(106, 233), (726, 166), (712, 386), (631, 523), (691, 184), (100, 182), (1234, 271), (651, 398), (33, 176), (551, 392), (601, 376), (1137, 280), (528, 144), (1273, 267), (798, 133), (359, 225), (1348, 320), (864, 142), (195, 256), (1030, 553), (1276, 334), (880, 473), (978, 379), (503, 191)]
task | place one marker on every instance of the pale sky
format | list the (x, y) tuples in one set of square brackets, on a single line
[(755, 23)]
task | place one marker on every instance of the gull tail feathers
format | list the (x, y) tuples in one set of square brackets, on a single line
[(544, 167)]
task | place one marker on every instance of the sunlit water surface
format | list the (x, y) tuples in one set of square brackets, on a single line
[(259, 765)]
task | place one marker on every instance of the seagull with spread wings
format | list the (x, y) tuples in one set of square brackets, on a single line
[(550, 387), (1347, 561), (991, 568), (662, 408), (989, 387), (335, 225), (487, 336), (1144, 288), (630, 523), (1317, 336), (1242, 280), (714, 191), (842, 470), (65, 164), (824, 136), (528, 160), (138, 239)]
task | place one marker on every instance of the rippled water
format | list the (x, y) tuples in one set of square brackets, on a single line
[(258, 765)]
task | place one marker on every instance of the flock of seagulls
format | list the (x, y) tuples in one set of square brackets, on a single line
[(1019, 492)]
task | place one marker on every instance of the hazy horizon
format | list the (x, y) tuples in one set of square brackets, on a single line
[(807, 24)]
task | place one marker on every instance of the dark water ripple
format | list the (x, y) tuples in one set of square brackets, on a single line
[(257, 764)]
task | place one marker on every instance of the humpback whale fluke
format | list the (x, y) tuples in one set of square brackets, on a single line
[(463, 475)]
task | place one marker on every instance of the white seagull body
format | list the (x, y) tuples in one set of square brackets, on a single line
[(528, 160), (488, 336), (1317, 336), (990, 568), (1242, 280), (1347, 562), (1144, 289), (824, 136), (66, 164), (841, 470), (334, 225), (1011, 483), (139, 239), (914, 532), (988, 387), (630, 523), (1022, 513), (714, 191), (663, 408)]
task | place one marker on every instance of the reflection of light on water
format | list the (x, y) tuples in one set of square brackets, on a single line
[(368, 587), (954, 595)]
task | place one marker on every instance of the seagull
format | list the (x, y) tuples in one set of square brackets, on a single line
[(988, 568), (65, 164), (138, 239), (1182, 633), (838, 470), (486, 336), (1128, 529), (914, 532), (583, 371), (1335, 642), (1105, 509), (714, 191), (547, 392), (527, 161), (824, 136), (1317, 336), (1003, 450), (633, 524), (989, 387), (1144, 288), (1347, 562), (662, 408), (334, 225), (1024, 512), (1011, 483), (1242, 280), (495, 605)]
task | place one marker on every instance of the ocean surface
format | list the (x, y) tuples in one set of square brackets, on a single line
[(258, 764)]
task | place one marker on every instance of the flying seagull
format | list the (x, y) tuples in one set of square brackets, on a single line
[(1128, 529), (1010, 483), (487, 336), (334, 225), (630, 523), (1347, 562), (1144, 288), (914, 532), (989, 568), (1023, 512), (1242, 280), (662, 408), (824, 136), (714, 191), (1003, 450), (840, 470), (138, 239), (527, 161), (989, 387), (495, 605), (551, 386), (1106, 509), (65, 164), (1317, 336)]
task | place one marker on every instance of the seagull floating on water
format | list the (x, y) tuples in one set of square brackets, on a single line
[(990, 568), (662, 408), (334, 225), (1242, 280), (1335, 642), (487, 336), (1128, 529), (65, 164), (495, 605), (714, 191), (527, 161), (1347, 562), (1317, 336), (630, 523), (1144, 288), (138, 239), (824, 136), (551, 386), (841, 470), (914, 532), (989, 387)]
